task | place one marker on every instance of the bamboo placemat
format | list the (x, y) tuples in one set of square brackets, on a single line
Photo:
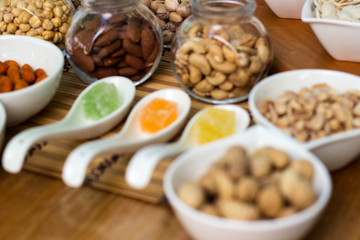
[(105, 173)]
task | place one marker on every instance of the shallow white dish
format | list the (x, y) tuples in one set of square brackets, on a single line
[(337, 150), (286, 8), (340, 38), (25, 103), (194, 163)]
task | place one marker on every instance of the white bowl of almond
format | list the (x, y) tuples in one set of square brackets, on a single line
[(255, 185), (319, 108)]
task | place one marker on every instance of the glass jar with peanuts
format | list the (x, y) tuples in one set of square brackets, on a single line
[(45, 19), (221, 51), (114, 38)]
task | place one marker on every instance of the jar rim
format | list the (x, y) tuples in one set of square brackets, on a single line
[(108, 5), (223, 8)]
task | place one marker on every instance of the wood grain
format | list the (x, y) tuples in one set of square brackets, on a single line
[(35, 204)]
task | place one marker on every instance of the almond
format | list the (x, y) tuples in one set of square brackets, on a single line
[(147, 42), (133, 33), (134, 62), (110, 49), (132, 48), (127, 71)]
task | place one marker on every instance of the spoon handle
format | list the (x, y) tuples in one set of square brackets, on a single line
[(142, 164), (76, 164), (16, 150)]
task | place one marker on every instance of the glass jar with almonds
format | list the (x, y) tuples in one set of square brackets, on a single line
[(45, 19), (221, 51), (114, 38)]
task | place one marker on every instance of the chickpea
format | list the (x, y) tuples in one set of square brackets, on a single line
[(48, 4), (58, 37), (25, 17), (24, 27), (64, 27), (38, 4), (11, 28), (17, 21), (39, 31), (31, 8), (58, 11), (35, 22), (48, 14), (3, 26), (48, 35), (8, 17), (20, 4), (47, 24), (31, 33), (16, 12), (56, 21)]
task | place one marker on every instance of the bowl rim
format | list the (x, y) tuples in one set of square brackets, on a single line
[(307, 16), (316, 142), (47, 45), (243, 225)]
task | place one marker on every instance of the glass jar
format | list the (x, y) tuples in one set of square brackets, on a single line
[(45, 19), (114, 38), (221, 51)]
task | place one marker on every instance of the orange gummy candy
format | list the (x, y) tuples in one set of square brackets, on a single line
[(157, 115)]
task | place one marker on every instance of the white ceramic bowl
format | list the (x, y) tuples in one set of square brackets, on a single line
[(339, 38), (2, 124), (337, 150), (286, 8), (194, 163), (23, 104)]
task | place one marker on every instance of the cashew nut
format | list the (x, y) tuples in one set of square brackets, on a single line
[(225, 67), (199, 61), (216, 78), (195, 74)]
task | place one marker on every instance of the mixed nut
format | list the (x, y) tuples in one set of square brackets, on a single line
[(122, 45), (337, 9), (45, 19), (221, 62), (170, 14), (313, 112), (263, 185)]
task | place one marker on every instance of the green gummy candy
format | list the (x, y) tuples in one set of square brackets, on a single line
[(100, 101)]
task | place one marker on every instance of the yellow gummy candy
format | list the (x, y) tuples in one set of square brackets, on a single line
[(213, 124)]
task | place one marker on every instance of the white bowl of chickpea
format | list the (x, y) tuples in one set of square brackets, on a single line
[(319, 108), (224, 191), (23, 99)]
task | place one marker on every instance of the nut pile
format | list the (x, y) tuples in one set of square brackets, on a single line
[(120, 45), (221, 62), (15, 77), (314, 112), (263, 185), (347, 10), (45, 19), (170, 13)]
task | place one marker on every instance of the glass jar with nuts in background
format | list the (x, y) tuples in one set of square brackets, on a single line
[(45, 19), (221, 51), (114, 38), (170, 14)]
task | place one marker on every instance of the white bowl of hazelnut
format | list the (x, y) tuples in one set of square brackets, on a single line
[(24, 95), (255, 185), (319, 108)]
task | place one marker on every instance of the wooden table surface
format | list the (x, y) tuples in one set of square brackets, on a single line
[(34, 206)]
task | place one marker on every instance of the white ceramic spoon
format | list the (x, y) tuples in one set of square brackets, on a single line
[(73, 126), (140, 168), (129, 139)]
